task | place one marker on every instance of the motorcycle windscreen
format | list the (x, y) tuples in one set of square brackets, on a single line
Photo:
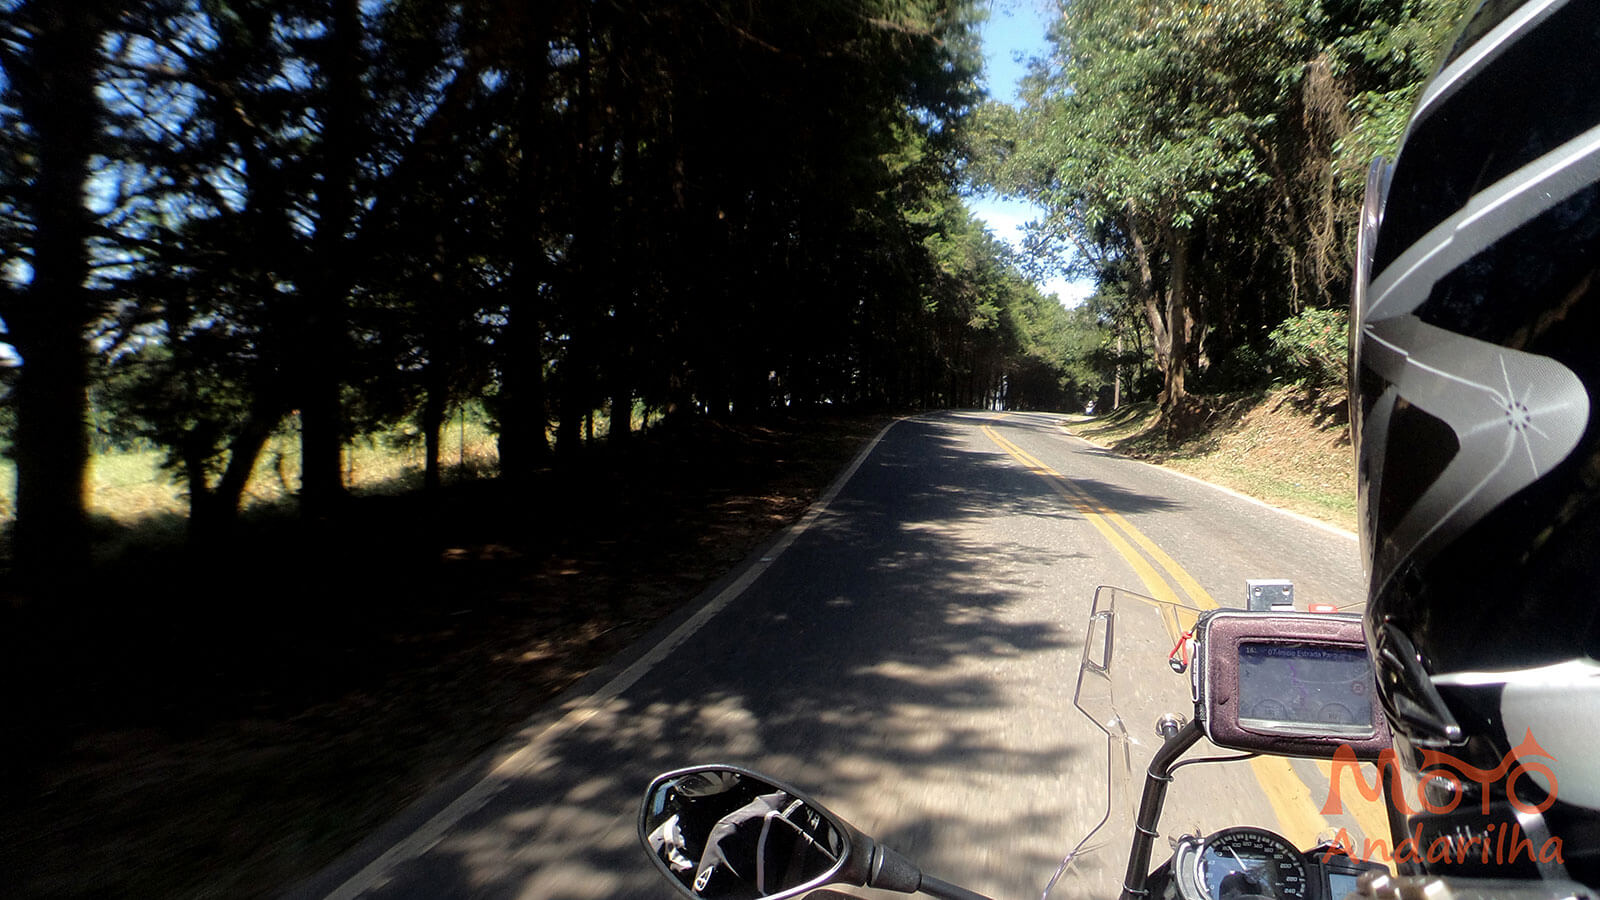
[(1129, 676)]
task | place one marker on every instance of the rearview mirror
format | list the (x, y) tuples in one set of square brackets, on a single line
[(722, 831)]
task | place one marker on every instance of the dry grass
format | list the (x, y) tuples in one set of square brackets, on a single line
[(127, 487), (1284, 447)]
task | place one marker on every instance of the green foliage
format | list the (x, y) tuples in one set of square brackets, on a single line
[(995, 339), (362, 215), (1388, 60), (1223, 143), (1313, 347), (175, 401), (8, 412)]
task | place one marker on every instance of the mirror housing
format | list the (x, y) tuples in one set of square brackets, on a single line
[(710, 827)]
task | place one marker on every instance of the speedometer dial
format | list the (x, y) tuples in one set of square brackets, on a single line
[(1250, 862)]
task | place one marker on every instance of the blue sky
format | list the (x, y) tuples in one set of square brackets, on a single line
[(1014, 33)]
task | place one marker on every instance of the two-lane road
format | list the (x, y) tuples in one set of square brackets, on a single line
[(908, 653)]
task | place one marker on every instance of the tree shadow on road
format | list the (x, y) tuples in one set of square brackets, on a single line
[(905, 659)]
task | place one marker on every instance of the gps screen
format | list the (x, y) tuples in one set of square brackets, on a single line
[(1288, 687)]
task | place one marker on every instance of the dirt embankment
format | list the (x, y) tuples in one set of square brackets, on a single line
[(1285, 447)]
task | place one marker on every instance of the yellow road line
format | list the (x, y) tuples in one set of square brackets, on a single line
[(1153, 582), (1085, 500), (1369, 814), (1288, 795)]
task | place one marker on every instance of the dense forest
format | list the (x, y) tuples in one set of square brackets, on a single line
[(224, 219), (1204, 163)]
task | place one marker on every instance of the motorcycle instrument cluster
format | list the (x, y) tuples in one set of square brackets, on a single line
[(1244, 862)]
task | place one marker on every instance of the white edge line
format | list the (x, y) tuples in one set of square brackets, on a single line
[(1315, 523), (583, 709)]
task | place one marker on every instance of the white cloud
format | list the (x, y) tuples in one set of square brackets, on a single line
[(1007, 220)]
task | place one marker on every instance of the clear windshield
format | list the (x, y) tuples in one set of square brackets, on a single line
[(1127, 680)]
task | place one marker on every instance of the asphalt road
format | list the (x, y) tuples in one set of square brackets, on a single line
[(908, 653)]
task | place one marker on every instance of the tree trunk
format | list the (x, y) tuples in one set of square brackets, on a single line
[(522, 443), (56, 90), (443, 356), (432, 424), (1166, 311), (321, 445), (569, 428), (631, 244), (212, 517), (1150, 299), (621, 420), (1177, 322), (243, 452), (196, 452), (593, 257), (321, 381), (524, 417), (1116, 384)]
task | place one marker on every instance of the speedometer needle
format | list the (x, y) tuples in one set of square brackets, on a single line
[(1248, 879)]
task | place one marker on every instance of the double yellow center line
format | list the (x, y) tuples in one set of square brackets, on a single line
[(1291, 799)]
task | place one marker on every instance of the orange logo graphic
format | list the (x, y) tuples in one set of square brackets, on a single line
[(1501, 844)]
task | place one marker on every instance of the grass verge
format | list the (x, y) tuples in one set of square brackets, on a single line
[(130, 486), (1284, 447)]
